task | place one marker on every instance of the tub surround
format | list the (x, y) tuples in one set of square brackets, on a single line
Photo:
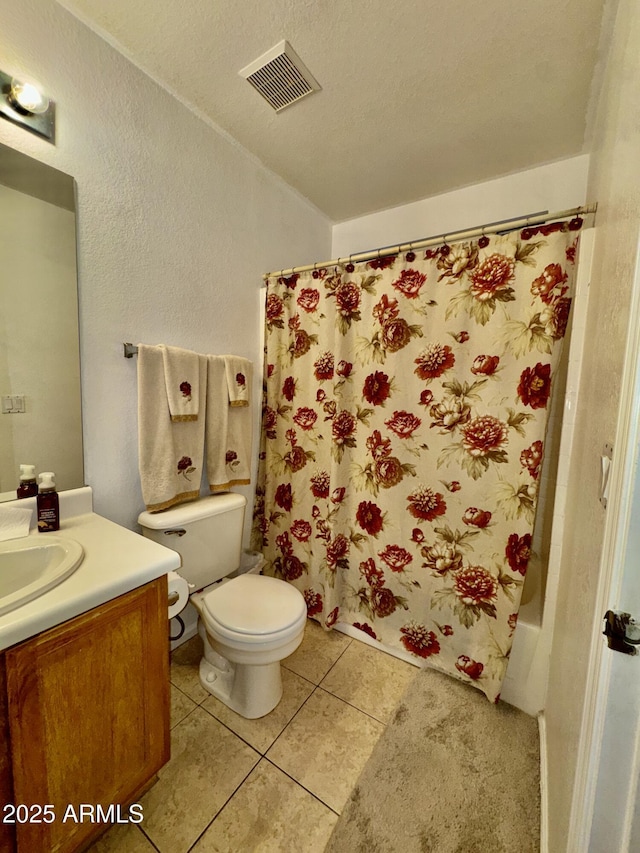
[(116, 561)]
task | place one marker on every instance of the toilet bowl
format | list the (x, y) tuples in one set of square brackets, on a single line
[(248, 625)]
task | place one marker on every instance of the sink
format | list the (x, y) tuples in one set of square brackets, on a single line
[(31, 566)]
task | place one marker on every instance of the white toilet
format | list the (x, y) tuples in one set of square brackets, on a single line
[(248, 623)]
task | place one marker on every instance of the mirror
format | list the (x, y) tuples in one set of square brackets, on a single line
[(40, 412)]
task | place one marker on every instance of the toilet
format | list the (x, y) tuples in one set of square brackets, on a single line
[(248, 623)]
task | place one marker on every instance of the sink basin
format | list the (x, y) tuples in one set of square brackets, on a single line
[(31, 566)]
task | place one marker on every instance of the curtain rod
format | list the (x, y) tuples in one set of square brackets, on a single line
[(493, 228)]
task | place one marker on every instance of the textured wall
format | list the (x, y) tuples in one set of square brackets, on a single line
[(614, 181), (176, 225), (553, 187)]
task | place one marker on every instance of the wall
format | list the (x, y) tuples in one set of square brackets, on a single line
[(613, 182), (176, 224), (547, 188)]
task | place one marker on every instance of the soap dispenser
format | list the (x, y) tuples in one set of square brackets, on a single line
[(48, 504), (28, 487)]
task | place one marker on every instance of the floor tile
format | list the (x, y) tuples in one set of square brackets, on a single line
[(261, 733), (208, 763), (122, 839), (185, 663), (181, 705), (317, 653), (270, 814), (325, 747), (369, 679)]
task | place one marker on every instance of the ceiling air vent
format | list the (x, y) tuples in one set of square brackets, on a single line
[(280, 76)]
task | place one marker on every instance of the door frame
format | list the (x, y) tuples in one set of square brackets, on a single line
[(613, 562)]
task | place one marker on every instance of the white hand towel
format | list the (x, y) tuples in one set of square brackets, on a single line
[(182, 380), (14, 522), (170, 453), (229, 430), (217, 419), (238, 372)]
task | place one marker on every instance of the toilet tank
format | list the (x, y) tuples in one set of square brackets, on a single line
[(207, 534)]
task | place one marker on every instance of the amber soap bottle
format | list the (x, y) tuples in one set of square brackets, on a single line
[(48, 503), (28, 487)]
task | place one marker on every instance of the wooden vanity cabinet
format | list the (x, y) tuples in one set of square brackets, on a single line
[(87, 705)]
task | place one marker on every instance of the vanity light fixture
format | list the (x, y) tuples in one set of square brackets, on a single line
[(24, 104)]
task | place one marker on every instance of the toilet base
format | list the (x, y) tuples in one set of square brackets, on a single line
[(251, 691)]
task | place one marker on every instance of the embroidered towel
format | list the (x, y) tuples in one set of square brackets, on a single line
[(14, 522), (239, 436), (229, 430), (170, 452), (181, 377), (238, 379)]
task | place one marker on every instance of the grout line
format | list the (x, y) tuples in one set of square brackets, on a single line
[(225, 804), (336, 660), (188, 714), (228, 727), (351, 705), (300, 785), (292, 719), (155, 846)]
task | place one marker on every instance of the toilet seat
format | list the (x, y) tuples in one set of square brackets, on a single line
[(254, 609)]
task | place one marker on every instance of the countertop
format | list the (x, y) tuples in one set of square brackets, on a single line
[(116, 560)]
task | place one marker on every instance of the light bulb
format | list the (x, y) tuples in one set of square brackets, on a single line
[(27, 98)]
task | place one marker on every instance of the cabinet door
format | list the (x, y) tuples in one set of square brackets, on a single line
[(89, 714)]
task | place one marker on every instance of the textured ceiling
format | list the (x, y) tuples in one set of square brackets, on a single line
[(418, 97)]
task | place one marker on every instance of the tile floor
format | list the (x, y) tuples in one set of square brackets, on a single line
[(274, 784)]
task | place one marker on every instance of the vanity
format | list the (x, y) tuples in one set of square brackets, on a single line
[(84, 688)]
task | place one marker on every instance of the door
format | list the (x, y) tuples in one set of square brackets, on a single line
[(616, 816)]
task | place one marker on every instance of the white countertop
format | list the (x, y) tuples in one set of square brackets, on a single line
[(116, 560)]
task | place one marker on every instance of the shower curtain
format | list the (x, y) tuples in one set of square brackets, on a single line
[(406, 400)]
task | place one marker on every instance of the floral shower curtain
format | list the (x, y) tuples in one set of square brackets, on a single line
[(406, 401)]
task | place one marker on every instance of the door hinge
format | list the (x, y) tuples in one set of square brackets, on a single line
[(622, 632)]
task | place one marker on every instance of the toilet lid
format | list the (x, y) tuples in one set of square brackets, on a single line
[(255, 604)]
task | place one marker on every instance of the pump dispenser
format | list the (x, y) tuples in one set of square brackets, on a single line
[(28, 487), (48, 504)]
